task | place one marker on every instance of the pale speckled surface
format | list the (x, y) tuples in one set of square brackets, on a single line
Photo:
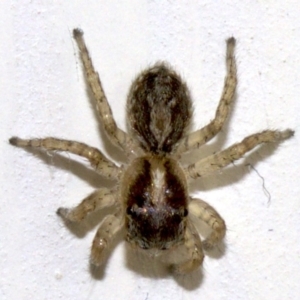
[(43, 93)]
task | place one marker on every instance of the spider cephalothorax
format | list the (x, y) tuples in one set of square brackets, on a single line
[(156, 200), (151, 198)]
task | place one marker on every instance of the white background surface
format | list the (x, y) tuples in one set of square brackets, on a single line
[(43, 94)]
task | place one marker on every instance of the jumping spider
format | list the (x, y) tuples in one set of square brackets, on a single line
[(151, 198)]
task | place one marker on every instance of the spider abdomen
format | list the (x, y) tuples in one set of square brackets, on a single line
[(159, 108)]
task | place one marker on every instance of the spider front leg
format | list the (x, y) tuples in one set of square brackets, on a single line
[(203, 135), (221, 159), (116, 135), (97, 200), (98, 161), (104, 237), (206, 213), (192, 250)]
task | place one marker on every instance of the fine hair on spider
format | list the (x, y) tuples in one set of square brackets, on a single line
[(151, 197)]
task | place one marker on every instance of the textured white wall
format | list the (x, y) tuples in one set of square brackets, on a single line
[(43, 94)]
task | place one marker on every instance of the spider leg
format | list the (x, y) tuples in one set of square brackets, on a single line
[(203, 135), (98, 161), (97, 200), (104, 237), (116, 135), (204, 212), (223, 158), (193, 251)]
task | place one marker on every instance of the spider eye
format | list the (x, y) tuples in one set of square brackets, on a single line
[(176, 219), (185, 212), (128, 210)]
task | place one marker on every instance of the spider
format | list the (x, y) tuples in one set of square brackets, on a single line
[(151, 198)]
